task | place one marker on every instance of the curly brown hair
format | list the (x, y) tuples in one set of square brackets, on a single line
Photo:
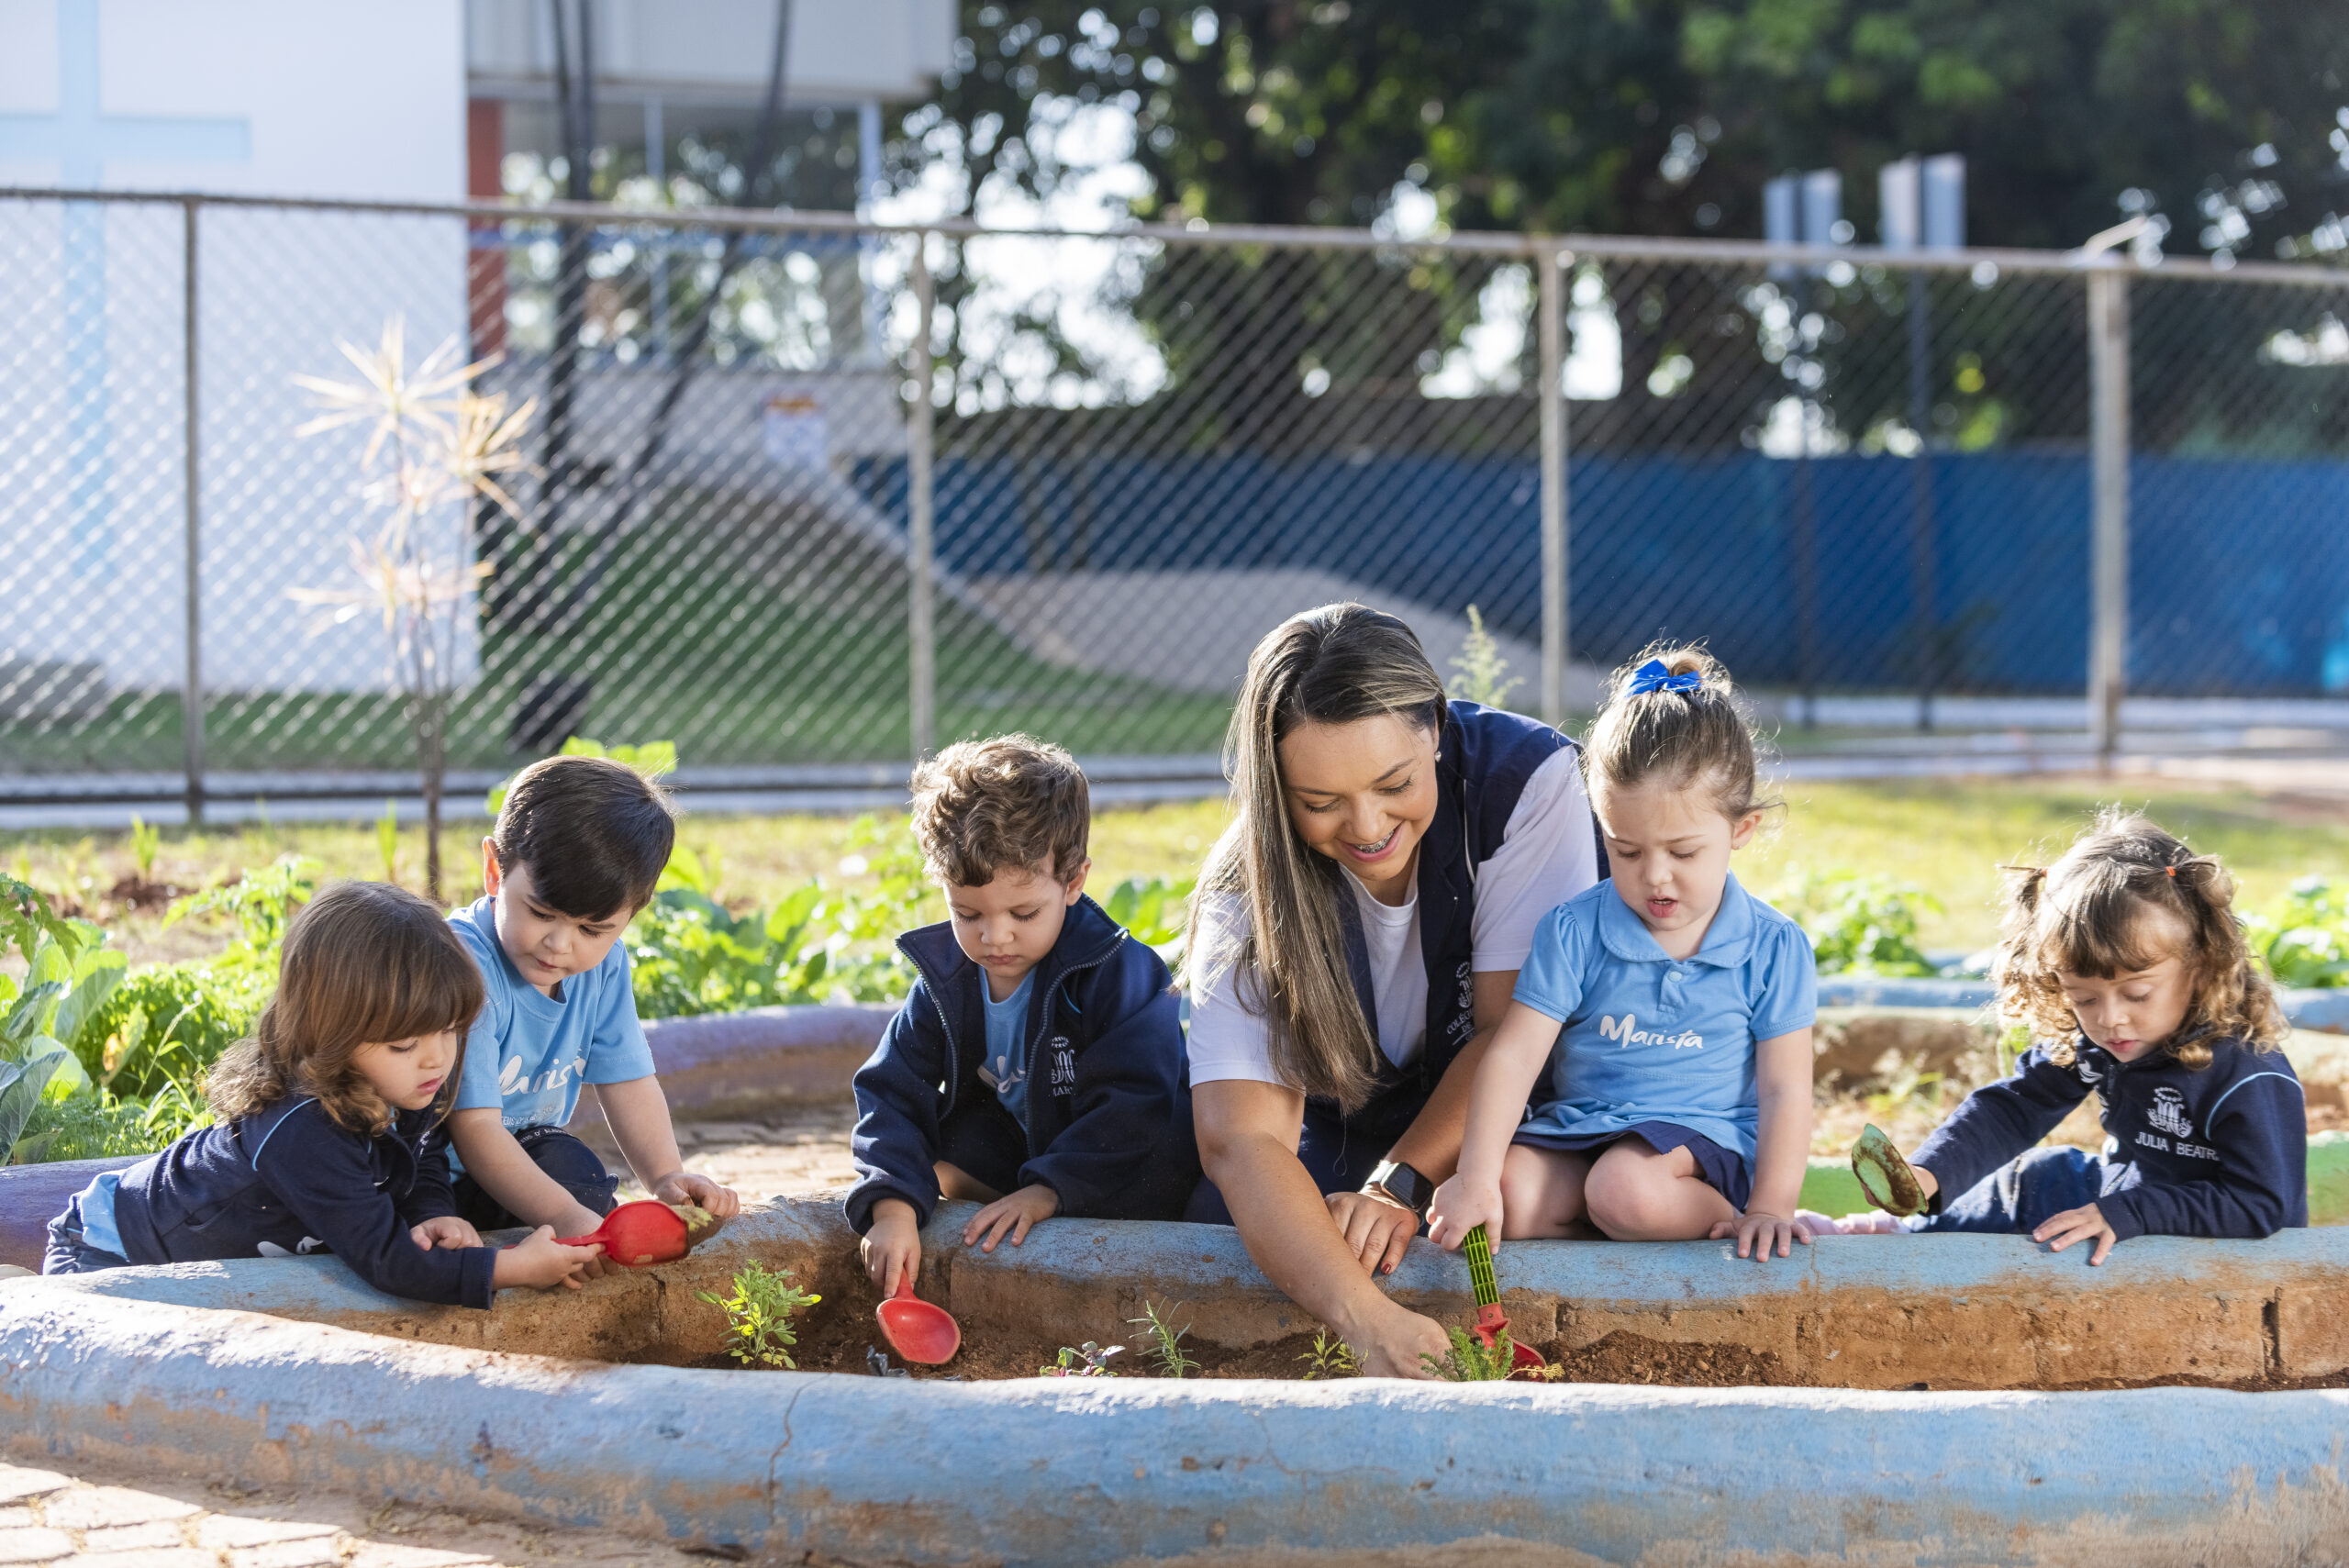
[(365, 964), (2087, 915), (1010, 803)]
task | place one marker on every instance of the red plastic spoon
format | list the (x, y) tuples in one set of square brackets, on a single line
[(919, 1332), (636, 1234)]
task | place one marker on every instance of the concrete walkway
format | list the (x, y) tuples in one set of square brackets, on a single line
[(90, 1521)]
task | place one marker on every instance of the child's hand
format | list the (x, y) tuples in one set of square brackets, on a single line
[(1758, 1230), (692, 1187), (541, 1261), (892, 1246), (1016, 1213), (446, 1230), (1378, 1229), (1459, 1207), (2085, 1223)]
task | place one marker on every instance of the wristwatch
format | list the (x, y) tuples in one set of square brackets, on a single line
[(1395, 1180)]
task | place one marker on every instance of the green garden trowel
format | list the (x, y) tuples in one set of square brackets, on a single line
[(1490, 1321), (1885, 1174)]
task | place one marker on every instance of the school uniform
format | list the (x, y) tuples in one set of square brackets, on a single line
[(1074, 1081), (1658, 1048), (527, 1056), (284, 1182), (2214, 1151), (1512, 835)]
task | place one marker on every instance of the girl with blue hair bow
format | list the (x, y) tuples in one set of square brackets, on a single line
[(1661, 1026)]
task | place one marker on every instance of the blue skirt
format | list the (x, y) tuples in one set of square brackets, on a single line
[(1724, 1171)]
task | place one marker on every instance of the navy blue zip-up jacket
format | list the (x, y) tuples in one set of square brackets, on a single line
[(2215, 1151), (289, 1179), (1109, 1096)]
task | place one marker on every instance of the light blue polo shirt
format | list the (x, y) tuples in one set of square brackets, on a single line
[(528, 1054), (1649, 1038), (1006, 1068)]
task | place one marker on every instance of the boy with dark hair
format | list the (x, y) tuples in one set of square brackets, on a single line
[(577, 849), (1037, 1067)]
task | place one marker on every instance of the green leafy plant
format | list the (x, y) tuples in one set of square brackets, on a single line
[(1089, 1361), (1165, 1345), (1330, 1357), (1481, 666), (145, 842), (1861, 925), (1470, 1361), (1156, 909), (758, 1315), (2304, 938), (260, 901)]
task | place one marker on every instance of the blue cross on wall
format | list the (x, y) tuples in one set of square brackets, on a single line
[(82, 139)]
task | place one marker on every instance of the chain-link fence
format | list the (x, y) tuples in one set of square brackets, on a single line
[(755, 521)]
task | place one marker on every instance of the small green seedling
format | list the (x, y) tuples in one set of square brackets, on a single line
[(1093, 1361), (1470, 1361), (758, 1315), (145, 841), (1331, 1357), (1165, 1345)]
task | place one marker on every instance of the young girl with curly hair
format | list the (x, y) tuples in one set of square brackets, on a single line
[(2125, 960)]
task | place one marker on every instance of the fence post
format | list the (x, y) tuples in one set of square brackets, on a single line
[(921, 609), (1550, 263), (192, 679), (2109, 469)]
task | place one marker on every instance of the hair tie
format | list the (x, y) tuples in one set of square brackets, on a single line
[(2172, 872), (1652, 676)]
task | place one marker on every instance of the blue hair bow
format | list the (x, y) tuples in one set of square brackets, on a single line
[(1652, 676)]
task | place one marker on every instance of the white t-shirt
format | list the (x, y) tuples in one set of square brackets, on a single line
[(1547, 856)]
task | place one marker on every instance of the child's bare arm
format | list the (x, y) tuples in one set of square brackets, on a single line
[(506, 1172), (638, 1115), (1782, 1075), (1519, 1048)]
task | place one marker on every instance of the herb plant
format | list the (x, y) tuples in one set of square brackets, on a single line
[(1091, 1361), (1482, 668), (145, 841), (1861, 925), (1165, 1345), (1470, 1361), (758, 1315), (2304, 939), (1330, 1357)]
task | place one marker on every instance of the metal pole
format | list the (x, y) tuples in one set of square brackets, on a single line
[(920, 610), (1924, 560), (2109, 447), (1552, 264), (192, 679)]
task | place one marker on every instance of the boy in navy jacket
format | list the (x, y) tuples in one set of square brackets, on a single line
[(1037, 1067)]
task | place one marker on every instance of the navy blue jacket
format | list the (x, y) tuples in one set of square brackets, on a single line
[(2216, 1150), (1109, 1096), (288, 1181), (1484, 759)]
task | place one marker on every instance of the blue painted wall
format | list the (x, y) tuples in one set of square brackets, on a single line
[(2239, 569)]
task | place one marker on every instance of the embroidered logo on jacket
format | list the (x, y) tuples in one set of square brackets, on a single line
[(1628, 1033), (2168, 1114), (1063, 1072)]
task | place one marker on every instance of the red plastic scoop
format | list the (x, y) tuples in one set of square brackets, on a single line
[(638, 1234), (919, 1332)]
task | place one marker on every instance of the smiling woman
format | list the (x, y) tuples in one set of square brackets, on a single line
[(1355, 938)]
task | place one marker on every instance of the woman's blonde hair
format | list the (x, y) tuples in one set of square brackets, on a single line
[(1333, 665), (1691, 732), (365, 964), (2087, 914)]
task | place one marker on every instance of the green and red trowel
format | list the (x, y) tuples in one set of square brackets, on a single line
[(1525, 1361), (1888, 1179)]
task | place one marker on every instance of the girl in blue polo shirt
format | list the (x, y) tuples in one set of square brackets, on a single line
[(1661, 1027)]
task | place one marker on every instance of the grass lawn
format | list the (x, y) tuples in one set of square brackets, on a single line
[(1946, 836)]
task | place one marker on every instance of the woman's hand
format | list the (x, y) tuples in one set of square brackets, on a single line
[(1459, 1207), (892, 1246), (1392, 1340), (445, 1231), (543, 1260), (1758, 1230), (1016, 1213), (2085, 1223), (1378, 1229)]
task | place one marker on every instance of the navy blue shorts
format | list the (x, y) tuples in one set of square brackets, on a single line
[(1724, 1171), (578, 1169)]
